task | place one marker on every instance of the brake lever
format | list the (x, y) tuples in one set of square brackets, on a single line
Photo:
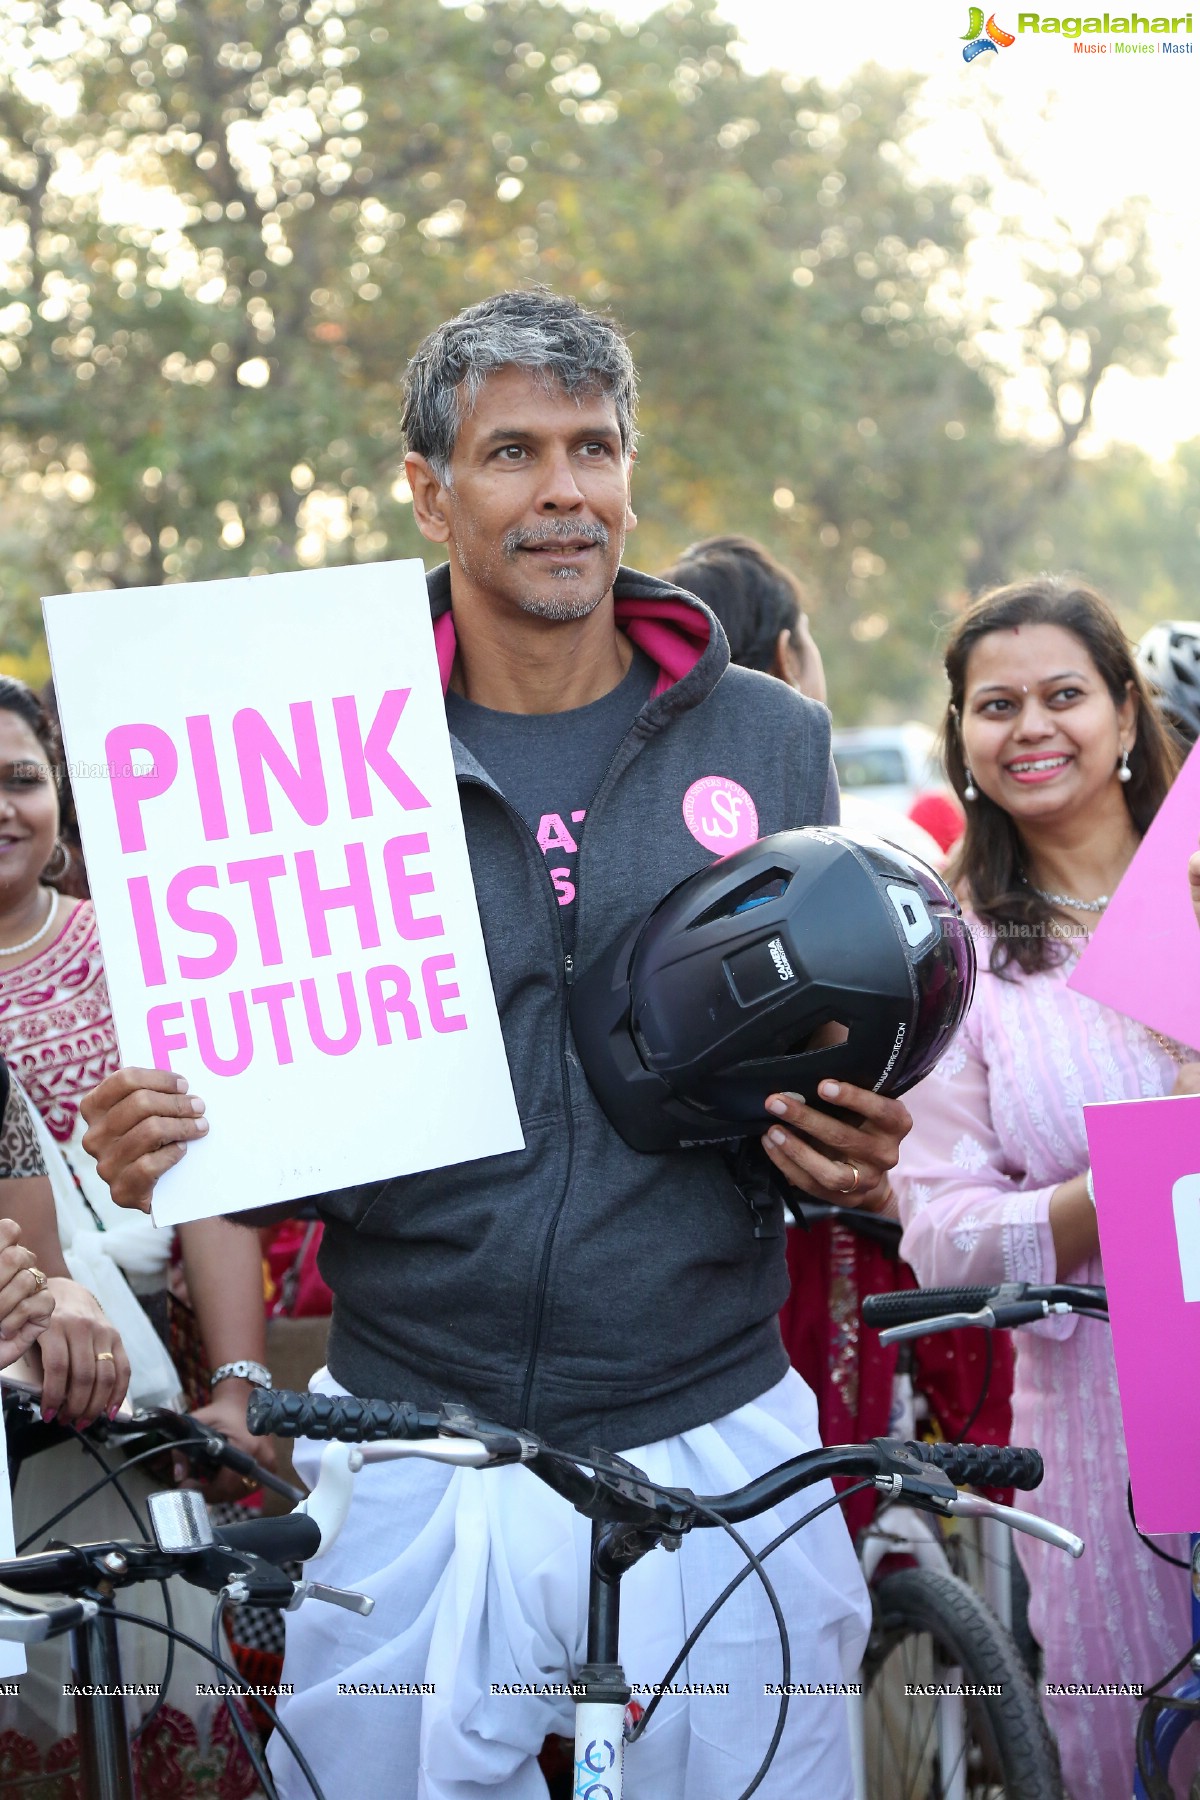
[(362, 1604), (974, 1506), (32, 1618), (956, 1321), (998, 1316)]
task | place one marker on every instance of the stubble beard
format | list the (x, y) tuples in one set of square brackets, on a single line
[(565, 606)]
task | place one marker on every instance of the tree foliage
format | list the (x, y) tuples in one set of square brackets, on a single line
[(229, 223)]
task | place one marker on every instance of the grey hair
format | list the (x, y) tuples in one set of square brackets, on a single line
[(528, 328)]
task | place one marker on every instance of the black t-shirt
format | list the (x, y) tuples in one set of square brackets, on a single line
[(549, 765)]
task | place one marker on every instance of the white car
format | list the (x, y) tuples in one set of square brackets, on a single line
[(889, 764), (867, 818)]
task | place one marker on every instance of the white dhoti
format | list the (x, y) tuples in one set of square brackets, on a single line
[(480, 1583)]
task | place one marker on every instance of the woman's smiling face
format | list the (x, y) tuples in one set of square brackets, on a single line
[(1041, 733), (28, 810)]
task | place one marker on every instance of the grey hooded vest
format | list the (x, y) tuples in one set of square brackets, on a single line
[(578, 1288)]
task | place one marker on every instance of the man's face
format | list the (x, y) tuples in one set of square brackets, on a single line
[(537, 506)]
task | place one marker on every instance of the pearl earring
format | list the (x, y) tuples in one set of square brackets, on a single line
[(1124, 773), (970, 792)]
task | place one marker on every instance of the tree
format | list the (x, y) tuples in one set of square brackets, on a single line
[(1129, 526), (233, 220), (1091, 305)]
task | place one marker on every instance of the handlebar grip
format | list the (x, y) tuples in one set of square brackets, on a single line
[(292, 1538), (336, 1416), (924, 1303), (984, 1465)]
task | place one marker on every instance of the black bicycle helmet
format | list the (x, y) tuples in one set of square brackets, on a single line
[(1169, 656), (687, 1022)]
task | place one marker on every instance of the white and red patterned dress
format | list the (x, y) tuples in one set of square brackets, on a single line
[(58, 1039), (57, 1036)]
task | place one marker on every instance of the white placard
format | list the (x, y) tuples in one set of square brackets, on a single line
[(264, 783)]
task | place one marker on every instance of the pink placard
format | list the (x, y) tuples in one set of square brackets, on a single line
[(1146, 1171), (1144, 957)]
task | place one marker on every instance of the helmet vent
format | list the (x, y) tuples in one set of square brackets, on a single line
[(825, 1037), (765, 886)]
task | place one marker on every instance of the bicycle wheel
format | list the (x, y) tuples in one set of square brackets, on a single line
[(930, 1631)]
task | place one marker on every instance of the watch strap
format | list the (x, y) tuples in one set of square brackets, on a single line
[(242, 1370)]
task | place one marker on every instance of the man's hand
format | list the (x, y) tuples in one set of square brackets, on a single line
[(140, 1122), (26, 1304), (85, 1370), (1194, 882), (850, 1167)]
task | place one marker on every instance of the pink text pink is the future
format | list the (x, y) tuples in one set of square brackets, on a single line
[(335, 1010)]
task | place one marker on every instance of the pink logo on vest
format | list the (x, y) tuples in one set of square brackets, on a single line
[(720, 814)]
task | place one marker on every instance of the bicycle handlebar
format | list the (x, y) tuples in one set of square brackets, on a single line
[(1020, 1302), (609, 1488), (871, 1226), (201, 1443), (205, 1447), (292, 1537), (276, 1412), (984, 1465), (605, 1487)]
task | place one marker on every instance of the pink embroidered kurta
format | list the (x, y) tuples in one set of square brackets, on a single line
[(56, 1029), (57, 1036), (997, 1127)]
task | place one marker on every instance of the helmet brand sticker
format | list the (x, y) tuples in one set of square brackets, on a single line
[(779, 958), (720, 814), (891, 1061)]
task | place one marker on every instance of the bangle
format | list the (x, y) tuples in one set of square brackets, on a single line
[(244, 1371), (1091, 1187)]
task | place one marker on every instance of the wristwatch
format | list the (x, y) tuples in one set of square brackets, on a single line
[(244, 1371)]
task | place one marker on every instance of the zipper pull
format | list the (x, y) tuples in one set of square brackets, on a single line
[(569, 969)]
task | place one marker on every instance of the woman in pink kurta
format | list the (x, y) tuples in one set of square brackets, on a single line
[(992, 1184), (996, 1128)]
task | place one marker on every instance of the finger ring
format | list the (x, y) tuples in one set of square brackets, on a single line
[(39, 1280), (249, 1483), (105, 1356), (853, 1188)]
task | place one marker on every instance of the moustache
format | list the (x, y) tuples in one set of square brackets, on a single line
[(556, 531)]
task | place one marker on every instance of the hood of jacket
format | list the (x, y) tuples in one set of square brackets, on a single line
[(679, 634)]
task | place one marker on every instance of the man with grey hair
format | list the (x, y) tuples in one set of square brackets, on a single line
[(604, 749)]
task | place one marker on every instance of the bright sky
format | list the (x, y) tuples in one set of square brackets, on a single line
[(1114, 125)]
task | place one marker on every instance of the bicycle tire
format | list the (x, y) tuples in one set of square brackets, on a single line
[(930, 1628)]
